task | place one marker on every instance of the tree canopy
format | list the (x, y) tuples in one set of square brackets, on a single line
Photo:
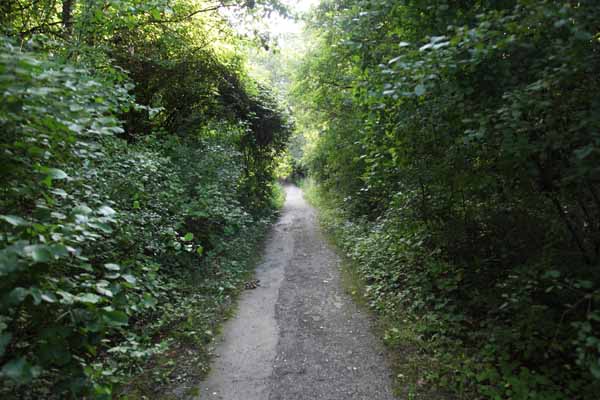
[(137, 160), (455, 146), (461, 140)]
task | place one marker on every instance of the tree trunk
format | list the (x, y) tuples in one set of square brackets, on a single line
[(67, 16)]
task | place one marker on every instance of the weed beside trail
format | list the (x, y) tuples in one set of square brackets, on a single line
[(438, 349)]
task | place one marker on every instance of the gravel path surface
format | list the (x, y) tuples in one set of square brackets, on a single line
[(298, 336)]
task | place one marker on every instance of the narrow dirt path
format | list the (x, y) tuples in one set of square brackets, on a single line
[(298, 336)]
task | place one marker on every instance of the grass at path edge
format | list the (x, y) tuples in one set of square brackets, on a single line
[(177, 373), (411, 358)]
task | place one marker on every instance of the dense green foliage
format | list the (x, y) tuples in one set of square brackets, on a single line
[(137, 165), (461, 139), (456, 145)]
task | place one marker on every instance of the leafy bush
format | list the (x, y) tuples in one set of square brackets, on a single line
[(116, 251), (58, 301), (461, 140)]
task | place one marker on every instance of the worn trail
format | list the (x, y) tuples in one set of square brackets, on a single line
[(298, 336)]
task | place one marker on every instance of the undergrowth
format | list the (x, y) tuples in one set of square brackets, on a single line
[(436, 350), (192, 321), (457, 144), (120, 254), (412, 358)]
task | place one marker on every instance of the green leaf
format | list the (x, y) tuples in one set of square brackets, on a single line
[(200, 250), (106, 211), (48, 297), (9, 262), (17, 296), (86, 267), (14, 220), (67, 298), (59, 193), (58, 250), (106, 228), (20, 371), (188, 237), (39, 253), (89, 298), (36, 294), (104, 291), (82, 209), (56, 174), (112, 267), (149, 301), (420, 90), (130, 279), (115, 318), (155, 13), (394, 60)]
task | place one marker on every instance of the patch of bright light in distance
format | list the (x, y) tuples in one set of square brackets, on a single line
[(279, 25)]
